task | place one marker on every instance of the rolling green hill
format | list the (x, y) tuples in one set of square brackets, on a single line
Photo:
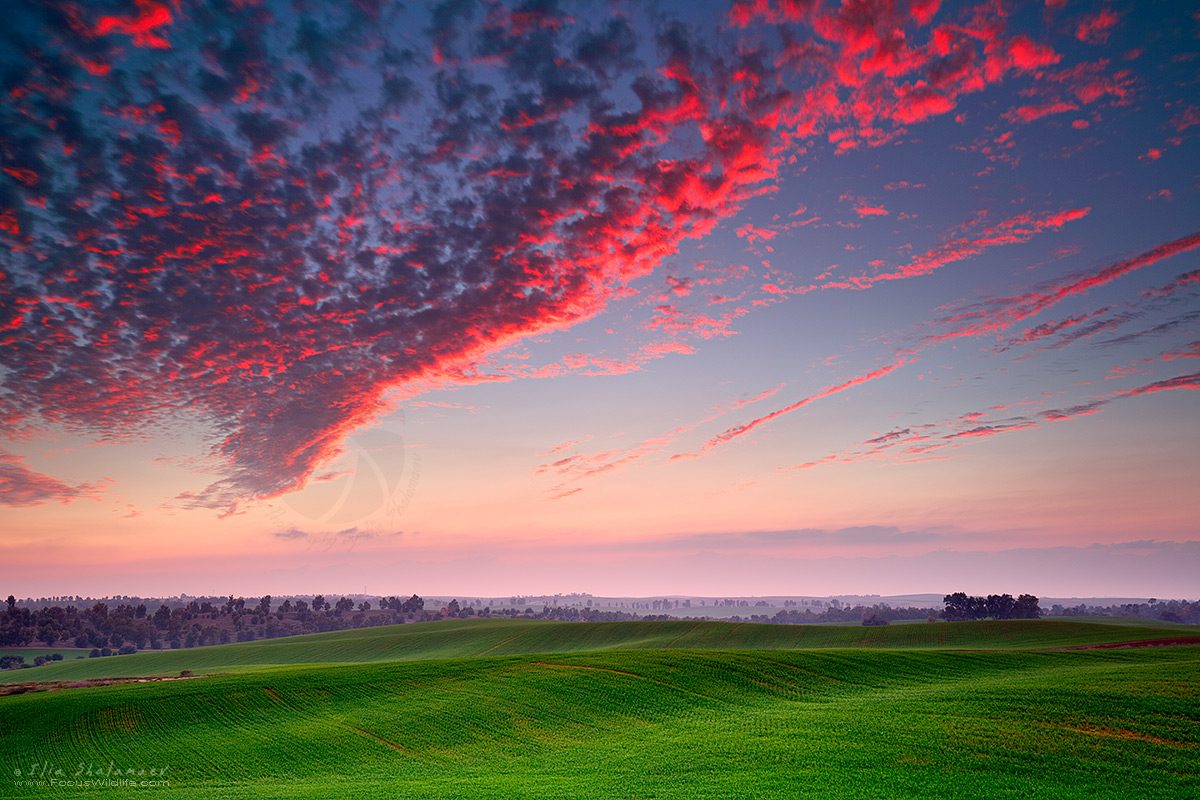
[(693, 724), (30, 653), (495, 637), (698, 711)]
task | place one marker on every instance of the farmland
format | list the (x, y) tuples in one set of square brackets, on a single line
[(516, 709)]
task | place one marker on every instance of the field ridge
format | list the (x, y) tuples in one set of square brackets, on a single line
[(477, 638)]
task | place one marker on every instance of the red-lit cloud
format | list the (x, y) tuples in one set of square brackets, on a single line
[(927, 441), (1020, 228), (143, 25), (1096, 27), (276, 221), (1032, 112), (997, 315), (746, 427)]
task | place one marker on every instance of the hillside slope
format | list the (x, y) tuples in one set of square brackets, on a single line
[(687, 724), (495, 637)]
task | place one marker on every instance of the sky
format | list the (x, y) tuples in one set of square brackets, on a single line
[(766, 297)]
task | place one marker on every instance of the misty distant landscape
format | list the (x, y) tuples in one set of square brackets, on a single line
[(124, 625)]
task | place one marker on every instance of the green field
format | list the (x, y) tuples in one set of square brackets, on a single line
[(525, 709), (30, 653), (491, 637)]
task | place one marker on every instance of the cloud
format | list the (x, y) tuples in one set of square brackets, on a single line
[(1191, 350), (279, 267), (1014, 230), (577, 466), (1046, 329), (1033, 112), (741, 430), (291, 533), (921, 442), (347, 537), (1095, 28), (994, 316), (278, 219), (917, 442), (142, 26), (20, 486), (785, 540), (1184, 280)]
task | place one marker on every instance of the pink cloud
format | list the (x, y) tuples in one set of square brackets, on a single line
[(21, 486), (1020, 228), (741, 430), (1095, 28), (1030, 113)]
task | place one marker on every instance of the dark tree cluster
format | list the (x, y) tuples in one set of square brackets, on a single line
[(1182, 611), (961, 606), (410, 606), (127, 628), (97, 626), (576, 614), (879, 614)]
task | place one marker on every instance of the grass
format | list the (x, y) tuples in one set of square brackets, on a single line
[(30, 653), (692, 722), (495, 637), (1137, 621)]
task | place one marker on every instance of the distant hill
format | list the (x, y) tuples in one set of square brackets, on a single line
[(494, 637)]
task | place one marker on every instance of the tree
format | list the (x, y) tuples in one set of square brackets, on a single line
[(318, 602), (961, 606), (12, 604), (162, 617), (958, 607), (343, 605), (1000, 606), (452, 608), (264, 605), (1027, 607), (875, 619)]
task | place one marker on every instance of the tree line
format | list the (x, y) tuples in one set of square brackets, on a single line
[(1186, 612), (961, 606), (127, 628)]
